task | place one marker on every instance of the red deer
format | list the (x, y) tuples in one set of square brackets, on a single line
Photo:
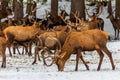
[(82, 25), (51, 41), (27, 45), (116, 25), (57, 38), (51, 22), (21, 33), (84, 41), (95, 18)]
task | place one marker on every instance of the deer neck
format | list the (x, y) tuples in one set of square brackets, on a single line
[(66, 52)]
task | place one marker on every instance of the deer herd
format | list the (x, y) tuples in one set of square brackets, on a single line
[(58, 40)]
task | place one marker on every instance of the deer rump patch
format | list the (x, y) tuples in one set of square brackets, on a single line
[(50, 41)]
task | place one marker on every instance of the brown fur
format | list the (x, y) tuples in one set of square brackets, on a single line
[(21, 33), (3, 44), (27, 45), (59, 28), (116, 25), (84, 41), (89, 25), (98, 22), (60, 36)]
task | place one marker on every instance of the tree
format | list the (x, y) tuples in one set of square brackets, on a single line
[(18, 13), (13, 4), (78, 5), (109, 7), (29, 5), (117, 9), (3, 6), (54, 9)]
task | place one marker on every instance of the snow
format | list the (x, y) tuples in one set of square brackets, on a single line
[(19, 67)]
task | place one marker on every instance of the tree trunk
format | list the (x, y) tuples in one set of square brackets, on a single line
[(18, 13), (79, 6), (54, 9), (13, 3), (117, 9), (3, 6), (109, 7), (28, 10)]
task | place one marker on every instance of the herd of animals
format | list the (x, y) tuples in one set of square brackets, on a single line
[(64, 37)]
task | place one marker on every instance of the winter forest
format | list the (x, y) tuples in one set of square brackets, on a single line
[(59, 39)]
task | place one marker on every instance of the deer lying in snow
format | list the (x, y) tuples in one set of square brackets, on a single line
[(84, 41)]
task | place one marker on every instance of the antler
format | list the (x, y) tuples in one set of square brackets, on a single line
[(47, 13), (101, 9), (62, 18), (76, 14), (87, 12)]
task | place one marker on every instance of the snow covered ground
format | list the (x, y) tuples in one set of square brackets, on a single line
[(19, 67)]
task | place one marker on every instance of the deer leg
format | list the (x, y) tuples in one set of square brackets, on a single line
[(9, 49), (29, 46), (14, 48), (39, 57), (115, 34), (45, 49), (3, 59), (43, 57), (30, 49), (77, 60), (36, 53), (109, 54), (79, 55), (118, 34), (26, 49), (23, 50), (101, 58), (17, 49)]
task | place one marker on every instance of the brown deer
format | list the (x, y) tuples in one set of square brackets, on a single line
[(82, 25), (84, 41), (51, 40), (116, 25), (95, 18), (59, 20)]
